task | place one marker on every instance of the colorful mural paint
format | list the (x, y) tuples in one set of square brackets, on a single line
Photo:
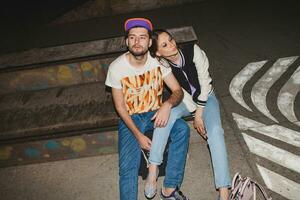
[(55, 76), (5, 152), (58, 149)]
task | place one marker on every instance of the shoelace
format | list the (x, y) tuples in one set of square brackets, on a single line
[(181, 195), (145, 157)]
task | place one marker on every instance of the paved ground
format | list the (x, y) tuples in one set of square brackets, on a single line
[(96, 177), (233, 35)]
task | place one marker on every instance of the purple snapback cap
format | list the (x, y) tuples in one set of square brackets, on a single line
[(138, 22)]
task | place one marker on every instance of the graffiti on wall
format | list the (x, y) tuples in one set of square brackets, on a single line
[(58, 149), (54, 76)]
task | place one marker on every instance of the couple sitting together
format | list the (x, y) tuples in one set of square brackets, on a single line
[(137, 78)]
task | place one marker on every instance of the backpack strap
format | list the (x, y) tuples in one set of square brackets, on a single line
[(236, 176), (247, 182), (239, 184), (262, 191), (236, 184)]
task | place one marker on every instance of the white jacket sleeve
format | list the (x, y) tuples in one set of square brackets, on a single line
[(202, 65)]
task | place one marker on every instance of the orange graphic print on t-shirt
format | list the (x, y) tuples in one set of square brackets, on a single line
[(143, 93)]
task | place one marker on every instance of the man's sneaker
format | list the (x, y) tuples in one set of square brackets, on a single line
[(176, 195)]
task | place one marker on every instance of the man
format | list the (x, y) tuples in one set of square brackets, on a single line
[(137, 80)]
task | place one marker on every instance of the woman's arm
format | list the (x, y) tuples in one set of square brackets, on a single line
[(202, 65)]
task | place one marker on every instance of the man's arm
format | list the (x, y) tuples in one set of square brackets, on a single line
[(177, 93), (162, 115), (118, 99)]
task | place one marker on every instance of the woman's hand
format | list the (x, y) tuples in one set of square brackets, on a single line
[(199, 124), (161, 117)]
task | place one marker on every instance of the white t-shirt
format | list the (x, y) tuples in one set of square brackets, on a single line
[(142, 87)]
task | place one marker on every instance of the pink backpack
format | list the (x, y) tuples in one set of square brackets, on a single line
[(244, 188)]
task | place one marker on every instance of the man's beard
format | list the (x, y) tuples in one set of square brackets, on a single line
[(137, 54)]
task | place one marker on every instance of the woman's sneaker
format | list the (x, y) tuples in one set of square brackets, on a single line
[(150, 190), (175, 195)]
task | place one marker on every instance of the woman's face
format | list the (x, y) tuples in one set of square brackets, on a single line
[(166, 46)]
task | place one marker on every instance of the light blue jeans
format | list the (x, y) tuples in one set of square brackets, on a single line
[(130, 154), (215, 134)]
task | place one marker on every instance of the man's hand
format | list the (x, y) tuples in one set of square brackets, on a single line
[(144, 142), (199, 124), (161, 117), (118, 98)]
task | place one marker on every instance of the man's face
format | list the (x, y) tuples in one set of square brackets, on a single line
[(138, 41)]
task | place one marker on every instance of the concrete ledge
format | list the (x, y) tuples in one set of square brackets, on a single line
[(55, 111), (66, 65), (59, 148), (36, 57), (67, 108)]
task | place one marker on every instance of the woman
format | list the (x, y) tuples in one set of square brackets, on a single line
[(190, 66)]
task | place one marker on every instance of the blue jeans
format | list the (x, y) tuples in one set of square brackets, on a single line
[(161, 134), (130, 154), (216, 142), (215, 134)]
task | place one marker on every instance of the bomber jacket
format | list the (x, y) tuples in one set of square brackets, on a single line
[(193, 76)]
